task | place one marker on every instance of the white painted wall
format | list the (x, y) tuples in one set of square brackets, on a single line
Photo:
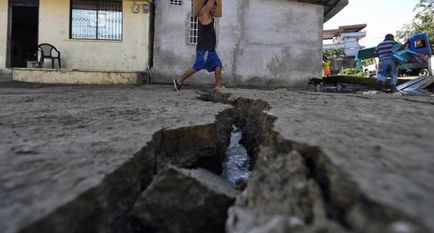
[(3, 32), (347, 41), (280, 43), (130, 54), (261, 43)]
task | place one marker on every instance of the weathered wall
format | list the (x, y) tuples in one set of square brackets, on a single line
[(261, 43), (172, 53), (3, 31), (130, 54)]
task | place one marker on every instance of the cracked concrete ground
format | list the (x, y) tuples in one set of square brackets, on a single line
[(384, 143), (58, 141)]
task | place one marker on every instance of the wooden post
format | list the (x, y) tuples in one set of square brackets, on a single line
[(198, 4)]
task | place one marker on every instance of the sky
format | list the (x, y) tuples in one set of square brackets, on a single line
[(381, 16)]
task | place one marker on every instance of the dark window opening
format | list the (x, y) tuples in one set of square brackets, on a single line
[(193, 29), (419, 44), (193, 34), (96, 19), (176, 2), (23, 41)]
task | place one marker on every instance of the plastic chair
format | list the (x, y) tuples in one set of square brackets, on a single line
[(50, 52), (403, 57)]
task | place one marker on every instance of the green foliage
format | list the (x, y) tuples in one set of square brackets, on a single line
[(352, 72), (423, 21), (332, 54), (367, 62)]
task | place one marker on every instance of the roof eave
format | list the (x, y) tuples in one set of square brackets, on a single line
[(333, 7)]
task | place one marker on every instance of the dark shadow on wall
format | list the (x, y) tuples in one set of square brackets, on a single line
[(24, 35)]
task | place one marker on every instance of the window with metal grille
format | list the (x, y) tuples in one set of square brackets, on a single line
[(96, 19), (193, 30), (193, 33), (176, 2)]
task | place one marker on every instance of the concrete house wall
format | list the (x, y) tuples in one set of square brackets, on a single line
[(3, 32), (261, 43), (130, 54)]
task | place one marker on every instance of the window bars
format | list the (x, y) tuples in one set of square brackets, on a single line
[(193, 34), (193, 28), (96, 19), (176, 2)]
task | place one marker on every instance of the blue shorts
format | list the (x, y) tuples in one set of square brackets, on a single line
[(208, 60)]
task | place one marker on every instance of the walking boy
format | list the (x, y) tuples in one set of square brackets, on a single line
[(206, 56)]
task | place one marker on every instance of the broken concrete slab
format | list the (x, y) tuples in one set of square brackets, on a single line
[(282, 224), (63, 144), (186, 201), (66, 151), (417, 86), (279, 187), (356, 84), (372, 155)]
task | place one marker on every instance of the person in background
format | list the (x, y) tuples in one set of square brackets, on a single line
[(387, 67), (326, 65)]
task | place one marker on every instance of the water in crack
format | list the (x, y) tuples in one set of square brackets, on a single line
[(236, 165)]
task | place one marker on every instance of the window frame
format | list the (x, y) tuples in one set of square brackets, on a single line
[(194, 20), (420, 43), (192, 38), (96, 36), (175, 2)]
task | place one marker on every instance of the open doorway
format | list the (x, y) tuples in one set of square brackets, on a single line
[(23, 32)]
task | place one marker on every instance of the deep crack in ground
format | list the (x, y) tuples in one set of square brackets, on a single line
[(294, 186)]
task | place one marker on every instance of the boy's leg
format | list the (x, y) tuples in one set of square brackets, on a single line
[(218, 77), (213, 63), (187, 74), (177, 83), (198, 65)]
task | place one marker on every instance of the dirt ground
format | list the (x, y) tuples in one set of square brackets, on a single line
[(58, 141)]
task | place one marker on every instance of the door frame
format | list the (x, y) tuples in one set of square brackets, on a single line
[(9, 30), (9, 35)]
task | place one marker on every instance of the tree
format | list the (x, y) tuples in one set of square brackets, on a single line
[(335, 53), (423, 21)]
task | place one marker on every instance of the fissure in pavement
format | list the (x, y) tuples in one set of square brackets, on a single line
[(296, 188), (293, 188)]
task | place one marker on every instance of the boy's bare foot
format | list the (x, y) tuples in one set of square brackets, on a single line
[(219, 88)]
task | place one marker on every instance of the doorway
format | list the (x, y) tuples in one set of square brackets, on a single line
[(23, 32)]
